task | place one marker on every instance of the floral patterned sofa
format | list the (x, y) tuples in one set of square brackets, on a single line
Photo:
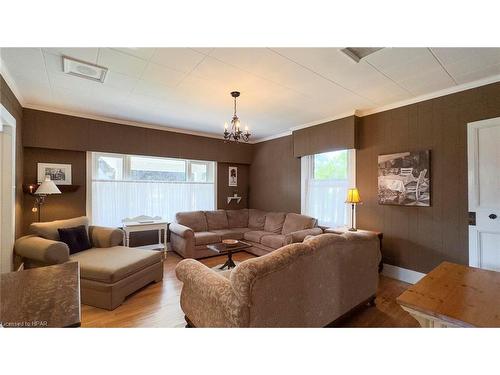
[(309, 284)]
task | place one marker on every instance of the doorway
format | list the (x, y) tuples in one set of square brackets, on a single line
[(7, 188), (483, 139)]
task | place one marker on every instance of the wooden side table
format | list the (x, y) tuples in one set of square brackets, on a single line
[(454, 295), (41, 297), (341, 230)]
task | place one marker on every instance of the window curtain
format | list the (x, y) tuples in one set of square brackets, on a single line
[(113, 201), (325, 199)]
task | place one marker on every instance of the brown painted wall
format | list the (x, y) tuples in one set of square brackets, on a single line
[(57, 131), (416, 238), (275, 176), (65, 139), (61, 206), (224, 190), (10, 102), (419, 238)]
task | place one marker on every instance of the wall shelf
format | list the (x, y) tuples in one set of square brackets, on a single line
[(31, 188), (233, 198)]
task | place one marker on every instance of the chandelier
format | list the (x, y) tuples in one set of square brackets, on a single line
[(235, 134)]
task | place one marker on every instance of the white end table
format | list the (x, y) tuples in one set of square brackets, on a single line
[(143, 225)]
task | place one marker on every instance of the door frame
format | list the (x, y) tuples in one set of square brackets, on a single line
[(7, 239), (473, 181)]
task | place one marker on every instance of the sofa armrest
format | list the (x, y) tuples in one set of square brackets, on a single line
[(105, 237), (181, 230), (300, 235), (41, 250), (207, 297)]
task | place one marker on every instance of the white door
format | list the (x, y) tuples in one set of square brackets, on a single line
[(7, 189), (483, 138)]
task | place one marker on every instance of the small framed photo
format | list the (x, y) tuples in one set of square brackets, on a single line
[(59, 173), (233, 176)]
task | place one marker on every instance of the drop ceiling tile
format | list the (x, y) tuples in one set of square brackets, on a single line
[(488, 56), (84, 54), (489, 71), (154, 90), (120, 81), (402, 63), (23, 58), (181, 59), (142, 53), (71, 82), (121, 62), (160, 74)]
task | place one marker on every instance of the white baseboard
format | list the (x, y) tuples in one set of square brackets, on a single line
[(402, 274)]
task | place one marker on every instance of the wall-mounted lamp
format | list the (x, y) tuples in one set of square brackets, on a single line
[(47, 187)]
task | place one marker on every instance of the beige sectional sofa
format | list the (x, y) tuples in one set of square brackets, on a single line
[(265, 231), (309, 284), (109, 272)]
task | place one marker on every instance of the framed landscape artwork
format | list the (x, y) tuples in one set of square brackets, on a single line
[(404, 179), (59, 173)]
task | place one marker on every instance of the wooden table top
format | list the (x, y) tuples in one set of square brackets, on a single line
[(41, 297), (462, 295), (222, 248)]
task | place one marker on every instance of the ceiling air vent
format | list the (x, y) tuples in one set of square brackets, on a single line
[(357, 53), (84, 69)]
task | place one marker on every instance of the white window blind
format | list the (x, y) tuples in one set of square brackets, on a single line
[(129, 185), (325, 180)]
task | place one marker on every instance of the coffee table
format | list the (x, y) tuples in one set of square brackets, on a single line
[(222, 249)]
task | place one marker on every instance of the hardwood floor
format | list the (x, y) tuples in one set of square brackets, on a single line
[(157, 305)]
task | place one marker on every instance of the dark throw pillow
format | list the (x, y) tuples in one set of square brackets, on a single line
[(76, 238)]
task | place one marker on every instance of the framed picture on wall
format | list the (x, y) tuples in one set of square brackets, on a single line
[(233, 176), (404, 179), (59, 173)]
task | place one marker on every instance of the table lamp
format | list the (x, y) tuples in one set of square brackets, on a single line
[(47, 187), (353, 198)]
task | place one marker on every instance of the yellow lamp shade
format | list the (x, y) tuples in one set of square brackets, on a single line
[(353, 196)]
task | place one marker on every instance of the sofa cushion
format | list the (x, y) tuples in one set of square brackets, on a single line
[(216, 219), (274, 222), (295, 222), (76, 238), (112, 264), (237, 218), (275, 241), (256, 219), (205, 238), (48, 230), (232, 233), (255, 235), (196, 220)]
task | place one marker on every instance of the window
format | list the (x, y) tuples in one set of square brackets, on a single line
[(132, 185), (325, 180)]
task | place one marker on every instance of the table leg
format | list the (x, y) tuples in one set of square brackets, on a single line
[(229, 262)]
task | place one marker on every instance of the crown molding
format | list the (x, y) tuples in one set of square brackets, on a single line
[(271, 137), (402, 103), (4, 71), (433, 95), (328, 119), (360, 113)]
